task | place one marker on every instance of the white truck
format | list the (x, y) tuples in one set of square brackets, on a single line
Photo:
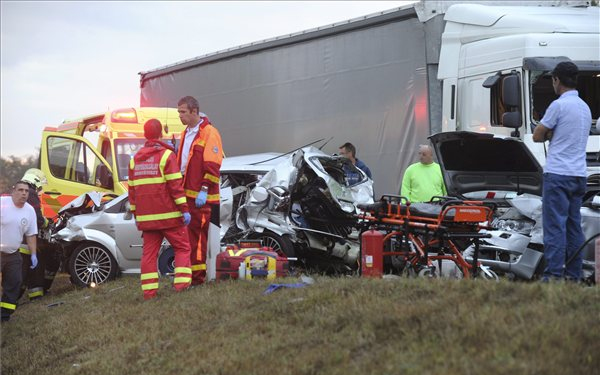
[(385, 82)]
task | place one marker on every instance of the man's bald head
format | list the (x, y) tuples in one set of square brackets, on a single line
[(425, 154)]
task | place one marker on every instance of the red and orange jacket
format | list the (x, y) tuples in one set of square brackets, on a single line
[(155, 188), (204, 162)]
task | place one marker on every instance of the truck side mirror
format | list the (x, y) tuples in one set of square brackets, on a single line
[(511, 91), (511, 120)]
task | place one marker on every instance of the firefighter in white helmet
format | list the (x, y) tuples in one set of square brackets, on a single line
[(33, 274)]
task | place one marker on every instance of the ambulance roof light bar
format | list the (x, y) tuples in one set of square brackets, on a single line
[(127, 115)]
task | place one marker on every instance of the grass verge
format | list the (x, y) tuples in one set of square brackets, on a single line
[(335, 326)]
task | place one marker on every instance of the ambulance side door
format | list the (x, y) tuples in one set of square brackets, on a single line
[(72, 167)]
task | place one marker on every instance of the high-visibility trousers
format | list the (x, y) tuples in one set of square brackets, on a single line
[(198, 236), (10, 266), (33, 279), (178, 238)]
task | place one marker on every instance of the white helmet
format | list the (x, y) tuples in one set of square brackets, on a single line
[(35, 177)]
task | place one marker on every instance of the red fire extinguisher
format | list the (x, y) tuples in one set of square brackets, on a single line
[(371, 247)]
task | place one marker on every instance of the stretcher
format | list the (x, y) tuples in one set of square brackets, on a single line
[(418, 235)]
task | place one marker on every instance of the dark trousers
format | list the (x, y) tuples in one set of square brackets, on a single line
[(11, 282), (33, 279), (561, 216)]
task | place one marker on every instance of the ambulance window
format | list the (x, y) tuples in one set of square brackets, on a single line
[(124, 150), (106, 152), (73, 160)]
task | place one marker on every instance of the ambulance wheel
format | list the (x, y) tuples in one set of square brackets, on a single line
[(280, 244), (166, 261), (91, 263)]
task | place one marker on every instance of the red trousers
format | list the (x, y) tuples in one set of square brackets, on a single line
[(178, 238), (198, 235)]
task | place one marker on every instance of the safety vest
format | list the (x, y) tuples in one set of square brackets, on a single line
[(204, 163), (155, 188)]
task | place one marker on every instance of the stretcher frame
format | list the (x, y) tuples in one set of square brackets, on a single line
[(457, 219)]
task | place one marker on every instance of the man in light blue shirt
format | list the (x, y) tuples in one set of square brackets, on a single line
[(566, 125)]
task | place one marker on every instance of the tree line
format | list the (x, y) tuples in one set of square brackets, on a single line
[(12, 169)]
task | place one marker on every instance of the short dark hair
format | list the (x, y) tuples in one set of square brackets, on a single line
[(566, 72), (20, 182), (191, 103), (349, 147)]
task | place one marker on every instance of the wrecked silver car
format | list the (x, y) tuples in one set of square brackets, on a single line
[(503, 171), (298, 203)]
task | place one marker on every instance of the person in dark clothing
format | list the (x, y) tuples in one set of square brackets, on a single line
[(348, 150), (34, 279)]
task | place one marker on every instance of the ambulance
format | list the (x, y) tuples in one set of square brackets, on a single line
[(92, 153)]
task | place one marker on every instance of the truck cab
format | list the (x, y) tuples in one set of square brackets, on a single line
[(93, 152), (495, 65)]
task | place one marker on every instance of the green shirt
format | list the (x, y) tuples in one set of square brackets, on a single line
[(422, 181)]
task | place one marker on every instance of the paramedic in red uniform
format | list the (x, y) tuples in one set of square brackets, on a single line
[(158, 202), (199, 158)]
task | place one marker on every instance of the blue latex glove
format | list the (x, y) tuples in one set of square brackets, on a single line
[(187, 218), (201, 198), (34, 261)]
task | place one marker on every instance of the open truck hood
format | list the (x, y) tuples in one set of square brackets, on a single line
[(479, 162)]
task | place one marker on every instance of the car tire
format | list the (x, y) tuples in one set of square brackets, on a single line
[(92, 263), (280, 244), (166, 261)]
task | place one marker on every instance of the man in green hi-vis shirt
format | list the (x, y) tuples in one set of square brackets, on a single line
[(423, 180)]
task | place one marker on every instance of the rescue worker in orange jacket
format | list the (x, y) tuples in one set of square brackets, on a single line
[(200, 155), (158, 202)]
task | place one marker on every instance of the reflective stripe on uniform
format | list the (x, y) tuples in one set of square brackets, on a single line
[(150, 275), (211, 177), (167, 215), (146, 181), (24, 250), (183, 270), (182, 280), (181, 200), (151, 286), (131, 206), (198, 267), (173, 176), (35, 292), (191, 193), (9, 306), (212, 197)]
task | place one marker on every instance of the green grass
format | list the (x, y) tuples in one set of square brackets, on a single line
[(335, 326)]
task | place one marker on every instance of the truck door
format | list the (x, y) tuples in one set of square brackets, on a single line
[(72, 167)]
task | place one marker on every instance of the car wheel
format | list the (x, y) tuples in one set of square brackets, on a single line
[(92, 263), (282, 245), (166, 261)]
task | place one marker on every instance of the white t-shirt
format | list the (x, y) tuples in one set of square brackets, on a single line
[(15, 223)]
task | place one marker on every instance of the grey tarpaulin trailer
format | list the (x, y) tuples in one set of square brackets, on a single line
[(364, 81)]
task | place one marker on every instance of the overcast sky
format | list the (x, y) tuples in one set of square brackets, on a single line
[(63, 60)]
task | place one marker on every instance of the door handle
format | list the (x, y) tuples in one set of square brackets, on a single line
[(52, 193)]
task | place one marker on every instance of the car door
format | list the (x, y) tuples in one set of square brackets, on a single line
[(72, 167), (127, 236)]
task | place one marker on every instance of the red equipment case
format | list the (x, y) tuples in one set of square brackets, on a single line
[(259, 262)]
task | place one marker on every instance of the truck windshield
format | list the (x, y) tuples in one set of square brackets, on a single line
[(125, 149), (542, 94)]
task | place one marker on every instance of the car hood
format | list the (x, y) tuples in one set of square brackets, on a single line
[(480, 162)]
